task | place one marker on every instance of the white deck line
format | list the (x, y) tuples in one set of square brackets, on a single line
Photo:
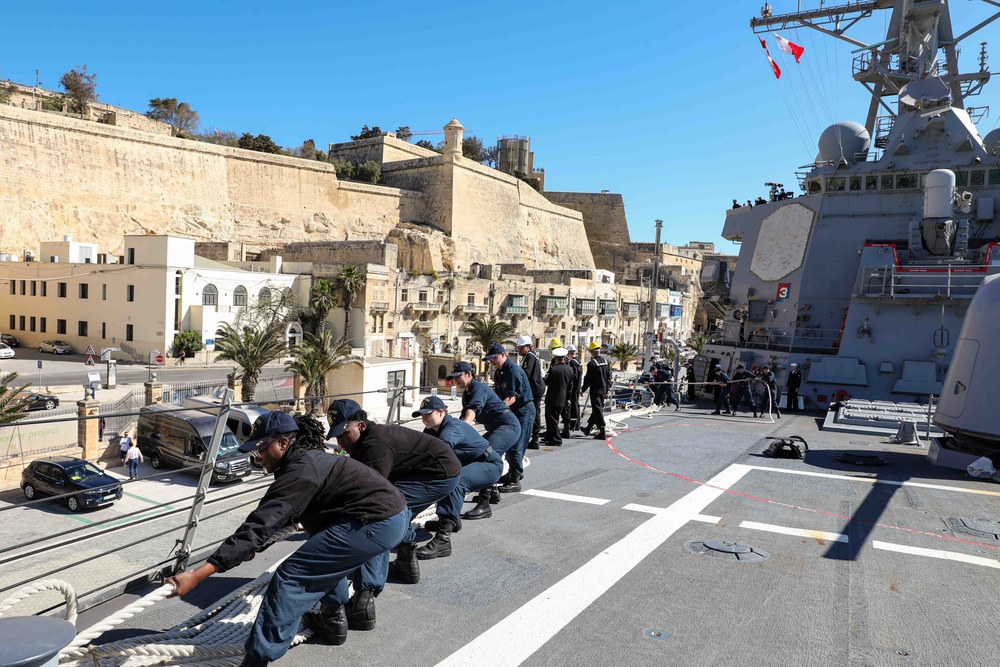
[(515, 638), (872, 480), (649, 509), (798, 532), (937, 553), (565, 496)]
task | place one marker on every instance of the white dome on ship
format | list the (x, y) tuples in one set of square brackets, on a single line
[(992, 141), (846, 140)]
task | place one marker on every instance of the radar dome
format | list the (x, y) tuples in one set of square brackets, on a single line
[(992, 141), (847, 140)]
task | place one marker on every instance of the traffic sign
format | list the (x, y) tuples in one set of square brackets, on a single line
[(89, 361), (39, 364), (159, 358), (155, 357), (90, 351)]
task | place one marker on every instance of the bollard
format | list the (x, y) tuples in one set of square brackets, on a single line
[(33, 641)]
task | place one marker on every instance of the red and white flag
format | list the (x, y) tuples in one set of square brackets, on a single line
[(774, 65), (791, 48)]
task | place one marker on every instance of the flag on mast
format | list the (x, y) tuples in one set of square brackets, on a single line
[(774, 65), (790, 48)]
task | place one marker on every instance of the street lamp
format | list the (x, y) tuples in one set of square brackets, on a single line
[(34, 104)]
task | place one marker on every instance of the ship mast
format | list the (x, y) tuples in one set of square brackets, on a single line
[(917, 30)]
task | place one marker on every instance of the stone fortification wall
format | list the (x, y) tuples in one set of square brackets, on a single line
[(382, 149), (534, 231), (27, 97), (340, 253), (97, 182), (605, 222)]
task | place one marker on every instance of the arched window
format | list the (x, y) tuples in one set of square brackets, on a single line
[(210, 296), (264, 297), (240, 296), (442, 372)]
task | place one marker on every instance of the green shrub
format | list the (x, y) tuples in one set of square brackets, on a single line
[(189, 341), (53, 103)]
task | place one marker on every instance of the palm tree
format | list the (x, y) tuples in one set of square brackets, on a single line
[(624, 353), (12, 408), (350, 279), (322, 299), (698, 342), (315, 357), (251, 347), (486, 332)]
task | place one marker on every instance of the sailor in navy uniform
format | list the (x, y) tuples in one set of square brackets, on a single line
[(512, 386), (598, 381), (532, 367)]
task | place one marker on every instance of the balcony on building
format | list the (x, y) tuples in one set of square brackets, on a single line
[(586, 307), (553, 306), (379, 306), (475, 308), (422, 325), (424, 306), (608, 307), (630, 309), (516, 305)]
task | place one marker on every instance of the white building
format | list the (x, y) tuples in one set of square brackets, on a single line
[(157, 289)]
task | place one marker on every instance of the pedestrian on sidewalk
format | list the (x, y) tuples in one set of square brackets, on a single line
[(126, 444), (133, 457), (181, 357)]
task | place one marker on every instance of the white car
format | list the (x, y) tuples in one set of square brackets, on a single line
[(6, 352), (55, 347)]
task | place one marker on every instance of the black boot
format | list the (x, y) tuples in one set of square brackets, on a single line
[(405, 568), (600, 435), (565, 435), (495, 495), (440, 544), (361, 611), (434, 524), (482, 509), (513, 485), (585, 429), (329, 624)]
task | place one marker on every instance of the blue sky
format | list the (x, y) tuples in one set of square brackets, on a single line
[(670, 104)]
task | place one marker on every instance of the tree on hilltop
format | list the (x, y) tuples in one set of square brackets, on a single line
[(308, 151), (367, 133), (491, 156), (179, 115), (261, 143), (423, 143), (80, 87), (218, 137), (403, 132), (473, 149)]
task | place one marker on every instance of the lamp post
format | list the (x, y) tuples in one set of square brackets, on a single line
[(654, 280), (34, 104)]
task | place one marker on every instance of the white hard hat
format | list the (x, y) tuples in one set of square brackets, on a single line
[(570, 348), (559, 352), (524, 340)]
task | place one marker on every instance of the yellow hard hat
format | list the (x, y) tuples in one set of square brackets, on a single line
[(594, 346), (554, 343)]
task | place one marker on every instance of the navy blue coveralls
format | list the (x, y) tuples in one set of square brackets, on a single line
[(502, 427), (352, 515), (511, 380), (481, 466)]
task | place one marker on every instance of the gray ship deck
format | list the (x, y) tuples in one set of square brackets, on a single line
[(863, 568)]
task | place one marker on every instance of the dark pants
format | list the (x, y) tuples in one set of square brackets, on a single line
[(571, 413), (317, 572), (506, 435), (420, 493), (515, 455), (793, 400), (536, 426), (665, 394), (743, 392), (722, 399), (596, 411), (552, 415), (475, 477)]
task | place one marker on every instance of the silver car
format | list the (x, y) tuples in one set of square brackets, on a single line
[(55, 347), (6, 352)]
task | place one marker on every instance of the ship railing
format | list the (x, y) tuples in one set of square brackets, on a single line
[(801, 337), (946, 281)]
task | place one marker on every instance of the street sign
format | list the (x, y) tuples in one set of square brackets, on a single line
[(155, 357), (89, 361), (159, 358), (105, 355), (90, 351), (209, 341), (39, 364)]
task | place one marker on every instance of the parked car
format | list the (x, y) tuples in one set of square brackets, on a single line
[(55, 347), (60, 475), (7, 339), (41, 401), (180, 438), (241, 418), (6, 352)]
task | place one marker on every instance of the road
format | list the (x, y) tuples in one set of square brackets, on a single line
[(70, 369)]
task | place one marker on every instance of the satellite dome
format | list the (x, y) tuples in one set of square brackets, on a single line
[(992, 141), (846, 140)]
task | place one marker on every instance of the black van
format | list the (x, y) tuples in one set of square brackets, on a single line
[(170, 437)]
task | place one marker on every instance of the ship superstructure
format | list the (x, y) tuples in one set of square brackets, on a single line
[(864, 279)]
